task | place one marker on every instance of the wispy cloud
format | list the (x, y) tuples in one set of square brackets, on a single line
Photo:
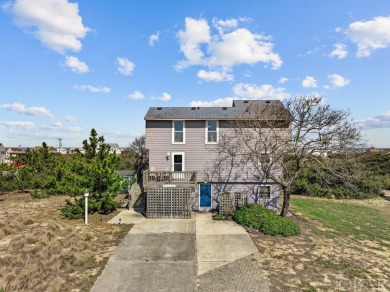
[(71, 119), (125, 66), (58, 126), (309, 82), (264, 91), (282, 80), (91, 88), (55, 23), (154, 38), (136, 95), (338, 80), (379, 121), (215, 76), (165, 97), (31, 111), (74, 64), (339, 51), (18, 124)]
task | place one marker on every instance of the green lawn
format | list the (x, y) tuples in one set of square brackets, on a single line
[(344, 218)]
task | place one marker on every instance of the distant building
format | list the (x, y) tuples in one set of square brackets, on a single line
[(373, 150), (114, 148), (12, 153), (2, 153)]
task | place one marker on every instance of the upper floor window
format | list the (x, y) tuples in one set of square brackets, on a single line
[(211, 132), (178, 132)]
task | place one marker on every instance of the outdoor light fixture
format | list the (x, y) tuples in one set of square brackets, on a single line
[(167, 157), (86, 195)]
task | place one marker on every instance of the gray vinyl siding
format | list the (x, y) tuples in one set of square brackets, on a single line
[(198, 155), (159, 143)]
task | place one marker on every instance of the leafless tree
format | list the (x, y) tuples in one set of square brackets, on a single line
[(275, 143)]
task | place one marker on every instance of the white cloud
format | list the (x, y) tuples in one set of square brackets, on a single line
[(225, 25), (31, 111), (309, 82), (58, 126), (56, 23), (282, 80), (339, 51), (379, 121), (338, 80), (19, 124), (93, 89), (228, 47), (196, 32), (71, 119), (370, 35), (215, 76), (76, 65), (125, 66), (154, 38), (136, 95), (217, 103), (165, 97), (243, 47), (265, 91)]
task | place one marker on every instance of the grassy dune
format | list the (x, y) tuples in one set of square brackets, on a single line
[(41, 251)]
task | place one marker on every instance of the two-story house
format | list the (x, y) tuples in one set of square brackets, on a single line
[(183, 151)]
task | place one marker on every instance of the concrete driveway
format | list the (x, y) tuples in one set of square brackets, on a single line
[(180, 255)]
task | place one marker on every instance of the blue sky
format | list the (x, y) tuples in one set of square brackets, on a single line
[(69, 66)]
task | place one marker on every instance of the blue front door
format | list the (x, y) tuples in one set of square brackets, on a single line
[(205, 195)]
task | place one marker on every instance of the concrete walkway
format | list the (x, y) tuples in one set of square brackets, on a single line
[(179, 255)]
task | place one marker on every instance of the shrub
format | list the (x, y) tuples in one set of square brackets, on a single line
[(266, 221), (108, 204), (72, 210), (36, 194)]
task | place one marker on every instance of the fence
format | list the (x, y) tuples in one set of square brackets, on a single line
[(229, 202), (168, 203)]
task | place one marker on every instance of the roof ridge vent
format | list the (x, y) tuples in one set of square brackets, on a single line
[(198, 107), (267, 101), (159, 108), (193, 108), (224, 108), (246, 101)]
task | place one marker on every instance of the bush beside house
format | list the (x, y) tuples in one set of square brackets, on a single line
[(266, 221)]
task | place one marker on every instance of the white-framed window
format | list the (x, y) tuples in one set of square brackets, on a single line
[(178, 132), (265, 192), (212, 129)]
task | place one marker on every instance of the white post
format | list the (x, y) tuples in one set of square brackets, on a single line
[(86, 195)]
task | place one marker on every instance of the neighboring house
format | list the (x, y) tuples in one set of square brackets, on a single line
[(2, 153), (373, 150), (51, 149), (114, 148), (12, 153), (182, 143)]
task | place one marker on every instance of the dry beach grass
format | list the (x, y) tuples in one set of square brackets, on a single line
[(41, 251), (328, 256)]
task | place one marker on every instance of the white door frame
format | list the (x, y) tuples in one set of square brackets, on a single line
[(173, 160)]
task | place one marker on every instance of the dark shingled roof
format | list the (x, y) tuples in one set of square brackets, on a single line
[(241, 109)]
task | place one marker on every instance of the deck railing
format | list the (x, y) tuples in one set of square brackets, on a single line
[(169, 177)]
